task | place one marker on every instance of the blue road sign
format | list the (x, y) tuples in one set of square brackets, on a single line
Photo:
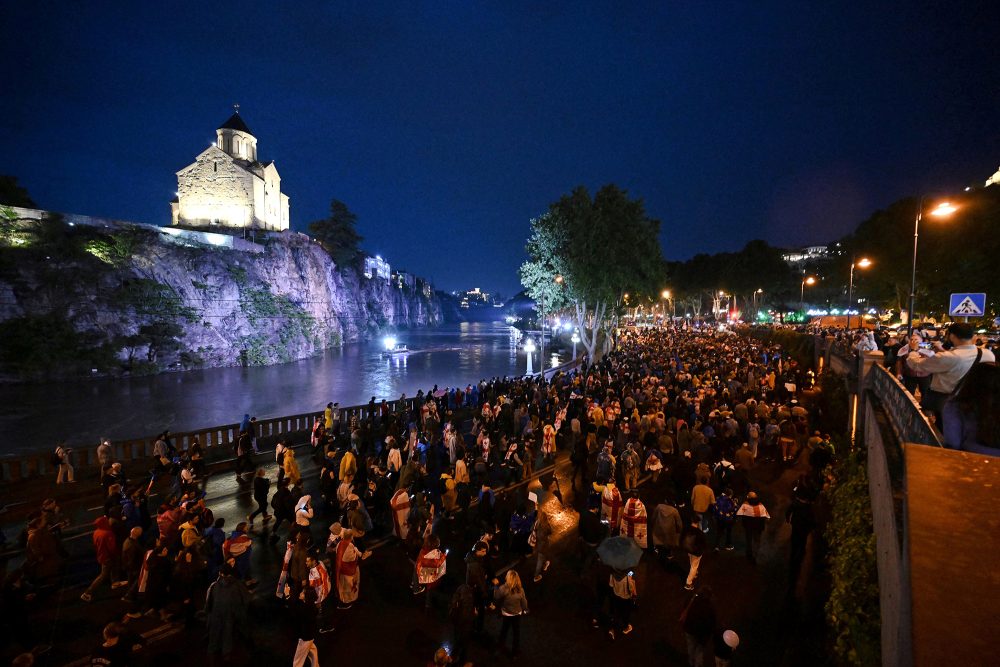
[(963, 304)]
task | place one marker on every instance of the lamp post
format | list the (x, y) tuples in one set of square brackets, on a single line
[(575, 339), (802, 290), (943, 210), (529, 347), (666, 296), (541, 354), (863, 263), (760, 291)]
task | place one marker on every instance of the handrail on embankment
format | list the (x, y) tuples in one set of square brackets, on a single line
[(293, 428)]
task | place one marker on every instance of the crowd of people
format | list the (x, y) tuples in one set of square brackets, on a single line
[(678, 417), (954, 375)]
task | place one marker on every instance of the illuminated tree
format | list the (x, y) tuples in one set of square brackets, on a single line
[(603, 247)]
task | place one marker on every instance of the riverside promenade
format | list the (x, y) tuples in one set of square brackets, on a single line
[(778, 622)]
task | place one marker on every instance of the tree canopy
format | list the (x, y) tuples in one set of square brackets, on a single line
[(339, 235), (602, 246)]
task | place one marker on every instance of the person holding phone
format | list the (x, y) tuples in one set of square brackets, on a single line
[(949, 367), (914, 378)]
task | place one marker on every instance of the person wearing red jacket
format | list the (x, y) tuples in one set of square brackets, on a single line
[(106, 547)]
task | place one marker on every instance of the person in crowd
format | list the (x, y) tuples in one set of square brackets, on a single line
[(623, 597), (913, 379), (513, 605), (108, 558), (117, 647), (63, 463), (948, 367), (634, 520), (261, 488), (667, 529), (753, 514), (291, 467), (698, 621), (693, 542), (348, 569), (541, 534), (226, 604)]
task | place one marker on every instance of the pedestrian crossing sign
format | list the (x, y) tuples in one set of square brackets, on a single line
[(967, 305)]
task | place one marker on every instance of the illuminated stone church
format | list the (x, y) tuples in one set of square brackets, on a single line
[(227, 186)]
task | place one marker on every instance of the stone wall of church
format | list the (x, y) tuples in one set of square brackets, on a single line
[(214, 190)]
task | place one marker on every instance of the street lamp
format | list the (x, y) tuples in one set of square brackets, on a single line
[(529, 347), (943, 210), (863, 263), (575, 339), (541, 305), (802, 290), (666, 295), (760, 291)]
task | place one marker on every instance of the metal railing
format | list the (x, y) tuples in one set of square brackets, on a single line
[(907, 419), (213, 438)]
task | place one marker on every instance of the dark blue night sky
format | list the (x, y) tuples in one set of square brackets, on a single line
[(446, 126)]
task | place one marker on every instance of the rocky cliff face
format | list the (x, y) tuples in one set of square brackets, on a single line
[(137, 299)]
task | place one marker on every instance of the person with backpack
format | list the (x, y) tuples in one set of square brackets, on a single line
[(623, 598), (725, 515)]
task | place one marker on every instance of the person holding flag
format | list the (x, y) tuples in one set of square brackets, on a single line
[(634, 522)]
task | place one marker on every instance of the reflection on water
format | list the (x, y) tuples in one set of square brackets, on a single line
[(34, 417)]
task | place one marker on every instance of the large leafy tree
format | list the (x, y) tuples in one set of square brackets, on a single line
[(602, 246), (339, 235)]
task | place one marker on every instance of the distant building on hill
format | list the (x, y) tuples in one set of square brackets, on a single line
[(227, 186), (376, 267), (994, 179), (809, 253)]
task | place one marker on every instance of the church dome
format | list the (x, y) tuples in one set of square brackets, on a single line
[(235, 138), (235, 122)]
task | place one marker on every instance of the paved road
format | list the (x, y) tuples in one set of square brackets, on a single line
[(388, 626)]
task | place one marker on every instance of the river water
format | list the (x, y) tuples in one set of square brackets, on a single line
[(35, 417)]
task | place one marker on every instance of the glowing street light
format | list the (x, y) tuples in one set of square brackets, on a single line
[(863, 263), (541, 304), (802, 290), (943, 210), (529, 347), (576, 339), (756, 292)]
